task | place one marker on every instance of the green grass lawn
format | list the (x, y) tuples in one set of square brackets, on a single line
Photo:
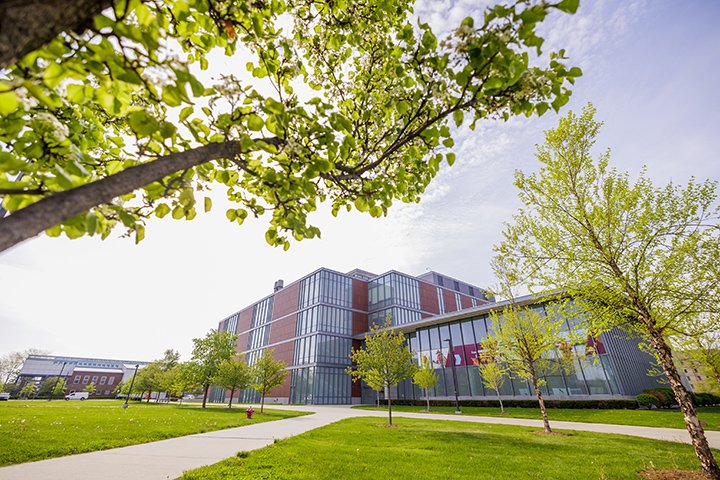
[(364, 448), (645, 418), (38, 429)]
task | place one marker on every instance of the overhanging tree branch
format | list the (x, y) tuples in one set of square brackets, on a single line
[(59, 207)]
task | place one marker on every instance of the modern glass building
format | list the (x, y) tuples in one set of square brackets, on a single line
[(313, 323)]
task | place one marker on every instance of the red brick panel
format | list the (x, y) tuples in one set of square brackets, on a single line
[(359, 294), (286, 301), (359, 323), (465, 301), (449, 298), (244, 319), (242, 342), (428, 298), (283, 352), (283, 329)]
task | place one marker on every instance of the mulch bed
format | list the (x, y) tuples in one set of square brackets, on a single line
[(674, 475), (553, 434)]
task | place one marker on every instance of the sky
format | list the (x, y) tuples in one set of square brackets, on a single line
[(650, 67)]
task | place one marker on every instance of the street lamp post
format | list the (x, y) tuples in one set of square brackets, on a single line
[(454, 374), (132, 382), (52, 392)]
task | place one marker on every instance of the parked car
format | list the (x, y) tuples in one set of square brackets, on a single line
[(4, 396), (77, 396)]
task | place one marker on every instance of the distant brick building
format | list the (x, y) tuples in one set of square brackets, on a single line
[(105, 379)]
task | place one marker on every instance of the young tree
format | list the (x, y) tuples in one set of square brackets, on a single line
[(267, 373), (188, 379), (90, 388), (632, 255), (103, 125), (29, 390), (207, 355), (492, 371), (526, 341), (386, 360), (52, 387), (425, 378), (147, 380), (234, 374)]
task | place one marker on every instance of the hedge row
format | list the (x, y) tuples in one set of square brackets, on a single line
[(595, 404), (665, 398)]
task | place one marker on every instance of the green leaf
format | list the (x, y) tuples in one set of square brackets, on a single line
[(142, 123), (91, 223), (254, 122), (208, 204), (76, 93), (178, 212), (161, 210), (450, 157), (8, 103), (568, 6), (458, 116), (167, 129)]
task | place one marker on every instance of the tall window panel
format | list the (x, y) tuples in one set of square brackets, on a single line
[(393, 289), (326, 287), (323, 318)]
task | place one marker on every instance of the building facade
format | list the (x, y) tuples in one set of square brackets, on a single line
[(78, 372), (313, 323)]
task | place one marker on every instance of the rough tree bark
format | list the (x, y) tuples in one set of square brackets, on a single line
[(538, 394), (26, 25), (56, 208), (697, 434)]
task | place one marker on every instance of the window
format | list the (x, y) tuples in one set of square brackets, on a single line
[(458, 301), (86, 379), (103, 379), (76, 380), (111, 380), (441, 301), (94, 379), (393, 289), (326, 287)]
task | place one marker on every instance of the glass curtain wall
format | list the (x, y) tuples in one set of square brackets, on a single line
[(322, 351), (592, 373)]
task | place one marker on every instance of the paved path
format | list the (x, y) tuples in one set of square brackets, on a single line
[(168, 459)]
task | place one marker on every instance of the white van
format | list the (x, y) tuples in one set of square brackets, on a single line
[(77, 396)]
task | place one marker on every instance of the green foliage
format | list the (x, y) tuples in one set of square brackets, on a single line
[(267, 373), (54, 386), (385, 361), (425, 377), (647, 400), (233, 374), (207, 355), (371, 126), (664, 396), (29, 390), (90, 388)]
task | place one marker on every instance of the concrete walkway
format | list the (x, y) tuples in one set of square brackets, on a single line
[(168, 459)]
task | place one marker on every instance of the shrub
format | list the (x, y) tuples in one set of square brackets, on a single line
[(647, 400), (665, 396)]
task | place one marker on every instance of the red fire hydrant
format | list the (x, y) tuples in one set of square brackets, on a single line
[(249, 412)]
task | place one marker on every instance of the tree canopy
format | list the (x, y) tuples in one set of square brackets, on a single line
[(267, 373), (109, 120), (207, 356), (631, 255), (384, 361)]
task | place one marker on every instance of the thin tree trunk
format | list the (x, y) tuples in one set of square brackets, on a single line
[(697, 434), (389, 407), (205, 394), (502, 409), (262, 401), (377, 398), (61, 206), (232, 391), (427, 397), (149, 394), (538, 394)]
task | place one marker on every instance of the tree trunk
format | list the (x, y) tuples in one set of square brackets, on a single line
[(28, 25), (262, 401), (232, 391), (697, 434), (61, 206), (148, 399), (427, 398), (205, 394), (389, 408), (502, 409), (377, 398), (538, 394)]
